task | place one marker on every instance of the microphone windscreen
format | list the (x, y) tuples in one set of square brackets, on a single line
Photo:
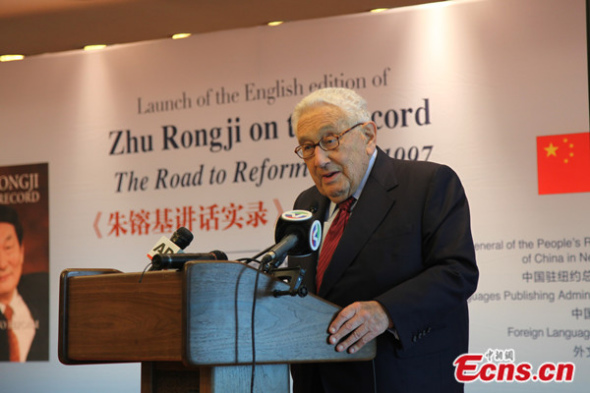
[(301, 224), (182, 237)]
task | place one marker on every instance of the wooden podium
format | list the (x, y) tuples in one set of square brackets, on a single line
[(192, 329)]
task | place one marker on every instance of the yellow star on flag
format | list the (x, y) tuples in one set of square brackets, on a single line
[(551, 150)]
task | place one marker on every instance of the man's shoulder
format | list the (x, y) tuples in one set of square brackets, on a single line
[(33, 283), (412, 168), (392, 173), (35, 278), (410, 165)]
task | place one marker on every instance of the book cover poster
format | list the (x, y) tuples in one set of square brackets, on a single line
[(24, 263)]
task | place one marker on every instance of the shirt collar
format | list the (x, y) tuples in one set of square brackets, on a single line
[(361, 186), (14, 302)]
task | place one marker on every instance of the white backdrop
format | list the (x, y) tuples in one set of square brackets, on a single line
[(470, 84)]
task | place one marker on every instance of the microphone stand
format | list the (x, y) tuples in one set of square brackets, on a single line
[(292, 276), (289, 275)]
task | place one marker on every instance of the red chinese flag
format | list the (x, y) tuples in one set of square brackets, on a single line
[(563, 163)]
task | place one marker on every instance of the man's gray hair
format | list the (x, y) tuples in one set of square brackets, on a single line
[(348, 100)]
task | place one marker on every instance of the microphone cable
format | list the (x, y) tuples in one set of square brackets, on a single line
[(252, 324), (255, 257), (143, 273)]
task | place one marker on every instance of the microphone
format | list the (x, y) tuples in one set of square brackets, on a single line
[(182, 237), (177, 242), (177, 261), (296, 233)]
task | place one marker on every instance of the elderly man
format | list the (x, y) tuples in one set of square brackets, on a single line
[(24, 330), (398, 254)]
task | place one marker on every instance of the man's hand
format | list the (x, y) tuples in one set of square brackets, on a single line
[(358, 324)]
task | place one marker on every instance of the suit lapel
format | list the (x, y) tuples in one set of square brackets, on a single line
[(372, 207)]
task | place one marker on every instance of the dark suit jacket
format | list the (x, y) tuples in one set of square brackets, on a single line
[(34, 289), (407, 245)]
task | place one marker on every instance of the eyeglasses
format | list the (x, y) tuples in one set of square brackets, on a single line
[(329, 142)]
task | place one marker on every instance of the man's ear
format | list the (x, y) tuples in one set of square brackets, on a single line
[(370, 133)]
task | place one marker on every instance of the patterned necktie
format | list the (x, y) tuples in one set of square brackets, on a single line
[(332, 239), (12, 340)]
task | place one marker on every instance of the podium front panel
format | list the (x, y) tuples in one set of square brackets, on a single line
[(219, 300)]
